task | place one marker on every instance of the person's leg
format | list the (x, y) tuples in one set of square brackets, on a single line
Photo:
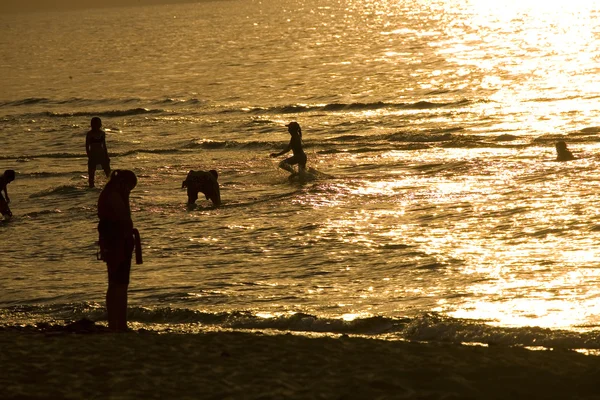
[(121, 306), (106, 168), (4, 209), (111, 310), (215, 196), (116, 306), (286, 165), (302, 165), (116, 295), (192, 193), (91, 173)]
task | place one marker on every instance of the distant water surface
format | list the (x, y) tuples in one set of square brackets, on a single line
[(443, 214)]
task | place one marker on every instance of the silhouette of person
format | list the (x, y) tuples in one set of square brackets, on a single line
[(117, 239), (95, 148), (202, 182), (7, 177), (295, 145), (562, 153)]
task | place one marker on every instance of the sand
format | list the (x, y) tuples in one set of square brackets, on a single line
[(243, 365)]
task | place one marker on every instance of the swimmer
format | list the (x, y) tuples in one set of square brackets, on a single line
[(562, 153)]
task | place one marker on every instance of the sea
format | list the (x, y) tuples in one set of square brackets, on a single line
[(439, 212)]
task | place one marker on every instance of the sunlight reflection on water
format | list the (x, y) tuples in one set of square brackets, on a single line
[(436, 121)]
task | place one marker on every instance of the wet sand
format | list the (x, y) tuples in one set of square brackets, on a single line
[(238, 365)]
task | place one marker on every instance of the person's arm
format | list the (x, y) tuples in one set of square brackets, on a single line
[(104, 145), (6, 194), (287, 148), (87, 144)]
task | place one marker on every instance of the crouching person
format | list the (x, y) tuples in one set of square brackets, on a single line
[(117, 239), (205, 182), (5, 179)]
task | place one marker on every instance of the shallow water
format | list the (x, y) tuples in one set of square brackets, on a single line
[(444, 215)]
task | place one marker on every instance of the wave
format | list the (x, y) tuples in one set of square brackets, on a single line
[(27, 158), (181, 101), (122, 106), (25, 102), (36, 214), (37, 108), (590, 130), (421, 137), (30, 157), (78, 101), (72, 101), (207, 144), (48, 174), (64, 190), (149, 151), (87, 113), (334, 107), (107, 114), (429, 327)]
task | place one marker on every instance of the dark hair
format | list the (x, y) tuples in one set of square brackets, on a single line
[(10, 174), (296, 125), (96, 121), (560, 145), (124, 176)]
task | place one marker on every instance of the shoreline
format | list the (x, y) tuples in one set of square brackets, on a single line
[(218, 365)]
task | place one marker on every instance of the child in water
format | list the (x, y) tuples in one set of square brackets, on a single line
[(562, 153), (117, 241), (5, 179), (295, 145), (95, 147)]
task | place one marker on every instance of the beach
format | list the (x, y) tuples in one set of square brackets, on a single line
[(261, 365)]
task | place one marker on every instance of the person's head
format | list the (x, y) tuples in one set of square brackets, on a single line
[(9, 174), (561, 146), (123, 179), (294, 127), (96, 123)]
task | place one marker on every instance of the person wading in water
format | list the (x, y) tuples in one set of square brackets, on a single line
[(95, 148), (295, 145)]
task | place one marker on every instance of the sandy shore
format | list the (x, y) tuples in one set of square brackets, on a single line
[(234, 365)]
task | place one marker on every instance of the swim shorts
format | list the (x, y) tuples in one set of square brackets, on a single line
[(116, 251), (120, 273)]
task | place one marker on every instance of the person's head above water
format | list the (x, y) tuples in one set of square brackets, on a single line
[(294, 127), (123, 178), (561, 146), (9, 174), (96, 123), (562, 153)]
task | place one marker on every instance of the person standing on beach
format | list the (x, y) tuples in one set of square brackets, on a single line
[(117, 239), (5, 179), (95, 148), (295, 145)]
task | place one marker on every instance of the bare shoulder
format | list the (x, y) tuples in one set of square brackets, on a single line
[(111, 205)]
